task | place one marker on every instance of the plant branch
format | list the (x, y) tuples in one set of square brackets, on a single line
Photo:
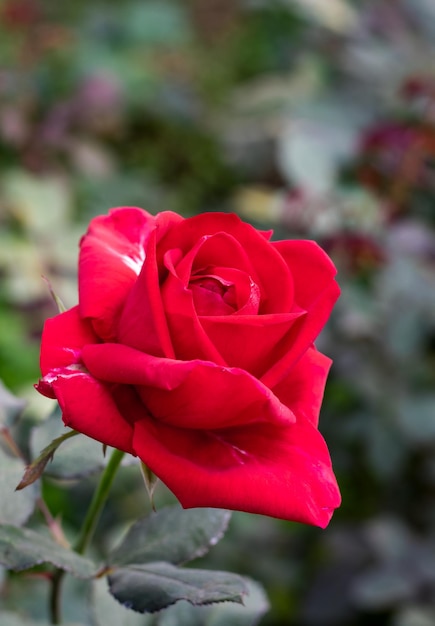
[(88, 528)]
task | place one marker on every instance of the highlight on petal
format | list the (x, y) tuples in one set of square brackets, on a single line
[(142, 324), (63, 338), (89, 407), (281, 472), (112, 253), (188, 394)]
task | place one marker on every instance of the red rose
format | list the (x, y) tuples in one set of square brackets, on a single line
[(192, 348)]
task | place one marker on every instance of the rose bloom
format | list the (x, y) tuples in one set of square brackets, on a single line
[(192, 348)]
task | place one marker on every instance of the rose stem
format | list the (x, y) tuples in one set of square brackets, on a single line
[(88, 528)]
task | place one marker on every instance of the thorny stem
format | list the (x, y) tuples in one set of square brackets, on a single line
[(88, 528)]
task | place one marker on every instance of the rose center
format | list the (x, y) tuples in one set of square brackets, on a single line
[(212, 295)]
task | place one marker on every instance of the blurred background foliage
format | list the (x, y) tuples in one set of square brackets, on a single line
[(314, 118)]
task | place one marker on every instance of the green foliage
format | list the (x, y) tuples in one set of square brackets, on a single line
[(22, 548), (171, 534), (154, 586), (15, 508), (80, 456)]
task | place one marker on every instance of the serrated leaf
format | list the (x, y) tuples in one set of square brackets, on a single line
[(36, 468), (255, 605), (172, 534), (155, 586), (21, 548), (106, 611), (15, 508)]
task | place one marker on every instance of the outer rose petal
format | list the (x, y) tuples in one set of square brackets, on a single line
[(111, 256), (281, 472), (315, 291), (62, 339), (303, 389), (311, 268), (187, 394), (89, 407)]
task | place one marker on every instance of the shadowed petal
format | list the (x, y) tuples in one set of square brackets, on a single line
[(189, 394), (89, 407), (276, 471)]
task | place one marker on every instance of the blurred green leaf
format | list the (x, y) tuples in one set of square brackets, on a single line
[(42, 205), (155, 586), (10, 406), (36, 467), (416, 418), (156, 23), (415, 616), (172, 534), (22, 548), (15, 508), (79, 456)]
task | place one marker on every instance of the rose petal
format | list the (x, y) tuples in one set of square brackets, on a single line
[(188, 394), (237, 291), (311, 268), (62, 339), (263, 257), (303, 389), (276, 471), (187, 335), (88, 406), (142, 324), (250, 342), (315, 291), (111, 256)]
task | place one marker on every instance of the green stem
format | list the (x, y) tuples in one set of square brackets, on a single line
[(88, 528), (98, 501)]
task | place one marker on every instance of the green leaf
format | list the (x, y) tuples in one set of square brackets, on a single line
[(15, 508), (35, 469), (79, 457), (21, 548), (172, 534), (106, 611), (155, 586), (10, 406), (255, 605)]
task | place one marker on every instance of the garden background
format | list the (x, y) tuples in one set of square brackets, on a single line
[(316, 119)]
